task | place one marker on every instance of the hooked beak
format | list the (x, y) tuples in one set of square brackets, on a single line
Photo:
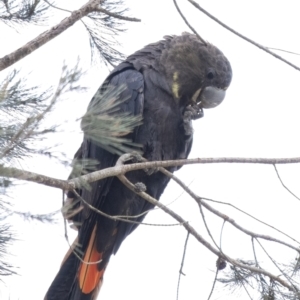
[(209, 97)]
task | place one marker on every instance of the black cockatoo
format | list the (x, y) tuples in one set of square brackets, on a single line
[(168, 83)]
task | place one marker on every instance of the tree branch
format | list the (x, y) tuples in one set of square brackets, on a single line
[(181, 265), (223, 216), (117, 16), (37, 178), (118, 218), (276, 264), (187, 23), (252, 217), (282, 183), (117, 170), (193, 232), (242, 36), (48, 35), (239, 227)]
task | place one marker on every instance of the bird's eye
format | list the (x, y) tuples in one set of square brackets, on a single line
[(210, 74)]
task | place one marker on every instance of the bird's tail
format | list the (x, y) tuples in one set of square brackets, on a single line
[(79, 279)]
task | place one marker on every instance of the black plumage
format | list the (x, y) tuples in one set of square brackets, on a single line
[(168, 83)]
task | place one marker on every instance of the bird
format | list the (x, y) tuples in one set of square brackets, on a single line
[(167, 84)]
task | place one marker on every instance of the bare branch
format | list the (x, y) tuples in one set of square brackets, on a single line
[(248, 232), (242, 36), (282, 50), (193, 232), (276, 264), (117, 16), (56, 7), (35, 177), (114, 171), (187, 23), (118, 218), (254, 252), (252, 217), (284, 184), (181, 266), (125, 168), (223, 216), (206, 225), (214, 284), (117, 170), (103, 29)]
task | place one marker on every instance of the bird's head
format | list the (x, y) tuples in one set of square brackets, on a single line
[(197, 73)]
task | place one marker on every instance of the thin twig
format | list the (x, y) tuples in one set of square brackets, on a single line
[(205, 243), (251, 216), (282, 50), (242, 36), (284, 184), (187, 23), (117, 218), (72, 248), (221, 234), (256, 260), (277, 266), (246, 290), (248, 232), (214, 284), (58, 8), (101, 10), (206, 226), (182, 263), (117, 16), (221, 263), (223, 216), (254, 252)]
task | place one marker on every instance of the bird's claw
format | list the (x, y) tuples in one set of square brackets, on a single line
[(140, 187), (136, 157), (191, 112), (151, 171), (132, 156)]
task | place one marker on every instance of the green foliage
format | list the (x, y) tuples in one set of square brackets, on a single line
[(19, 104), (103, 29), (107, 125), (14, 12), (259, 286)]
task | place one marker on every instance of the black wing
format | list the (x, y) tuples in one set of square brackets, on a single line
[(132, 101), (131, 96)]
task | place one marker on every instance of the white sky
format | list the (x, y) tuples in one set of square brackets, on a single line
[(259, 118)]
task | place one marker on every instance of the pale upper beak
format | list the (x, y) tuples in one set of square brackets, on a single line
[(209, 97)]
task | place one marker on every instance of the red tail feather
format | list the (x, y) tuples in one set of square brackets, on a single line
[(89, 275)]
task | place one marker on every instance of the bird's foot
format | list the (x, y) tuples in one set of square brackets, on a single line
[(132, 156), (140, 187), (151, 171), (191, 112), (137, 158)]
